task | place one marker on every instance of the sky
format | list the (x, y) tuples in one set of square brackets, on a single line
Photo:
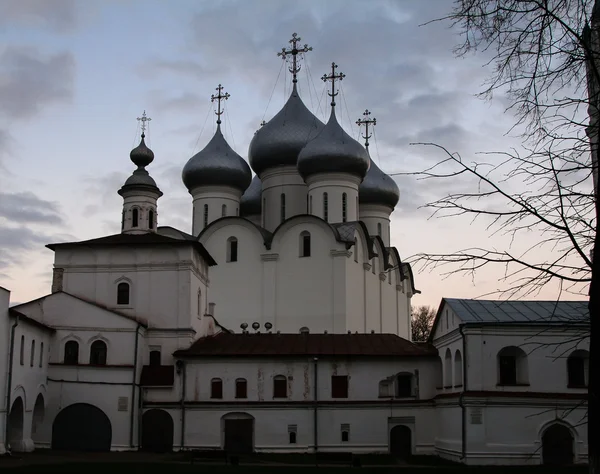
[(76, 74)]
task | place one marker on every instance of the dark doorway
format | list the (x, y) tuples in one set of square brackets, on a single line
[(238, 435), (557, 446), (15, 425), (401, 441), (157, 431), (81, 427)]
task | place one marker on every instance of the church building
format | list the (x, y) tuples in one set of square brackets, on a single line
[(281, 323)]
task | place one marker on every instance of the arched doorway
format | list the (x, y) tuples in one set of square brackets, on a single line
[(38, 417), (157, 431), (15, 424), (81, 427), (238, 433), (557, 446), (401, 441)]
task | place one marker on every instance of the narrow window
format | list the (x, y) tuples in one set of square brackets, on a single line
[(32, 355), (205, 215), (41, 354), (154, 358), (379, 229), (282, 210), (135, 216), (123, 293), (241, 388), (216, 388), (264, 212), (325, 208), (71, 353), (344, 207), (151, 219), (232, 249), (22, 354), (293, 433), (223, 210), (345, 433), (339, 386), (355, 250), (237, 211), (305, 244), (279, 386), (199, 301), (98, 353), (123, 220), (404, 385), (310, 205), (307, 208)]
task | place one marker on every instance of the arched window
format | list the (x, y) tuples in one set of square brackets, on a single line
[(379, 229), (458, 366), (325, 208), (344, 207), (154, 358), (241, 388), (282, 209), (98, 353), (22, 354), (448, 369), (123, 293), (41, 354), (232, 249), (578, 369), (135, 217), (216, 388), (71, 353), (223, 210), (512, 366), (304, 244), (355, 249), (205, 217), (32, 355), (151, 219), (199, 301), (279, 386), (307, 208)]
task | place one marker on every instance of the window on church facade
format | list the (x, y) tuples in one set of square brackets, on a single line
[(344, 207), (379, 229), (279, 386), (205, 217), (241, 388), (232, 249), (22, 353), (305, 244), (123, 220), (199, 302), (512, 366), (41, 354), (98, 353), (355, 250), (339, 386), (282, 210), (135, 217), (71, 353), (310, 204), (345, 432), (223, 210), (123, 293), (32, 355), (154, 358), (325, 208), (404, 385), (151, 219), (578, 369), (293, 433), (216, 388)]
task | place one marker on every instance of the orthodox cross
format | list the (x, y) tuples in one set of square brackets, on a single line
[(219, 97), (332, 77), (144, 119), (263, 123), (295, 69), (366, 122)]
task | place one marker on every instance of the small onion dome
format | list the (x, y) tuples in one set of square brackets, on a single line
[(251, 202), (333, 151), (140, 179), (280, 140), (141, 155), (217, 165), (378, 188)]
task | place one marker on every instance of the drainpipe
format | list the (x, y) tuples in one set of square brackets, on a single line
[(461, 398), (316, 404), (133, 385), (181, 364), (9, 381)]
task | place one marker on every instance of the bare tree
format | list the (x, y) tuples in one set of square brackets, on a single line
[(545, 59), (421, 322)]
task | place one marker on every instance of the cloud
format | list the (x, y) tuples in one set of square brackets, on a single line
[(15, 241), (57, 15), (30, 81), (26, 207)]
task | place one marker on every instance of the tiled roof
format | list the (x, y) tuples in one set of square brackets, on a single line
[(150, 238), (270, 344), (157, 376)]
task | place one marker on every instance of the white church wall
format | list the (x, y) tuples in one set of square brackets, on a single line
[(377, 219), (335, 185), (275, 182), (356, 293), (448, 434), (374, 315), (4, 356), (211, 203)]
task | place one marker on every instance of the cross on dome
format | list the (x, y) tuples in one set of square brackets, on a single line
[(332, 77), (219, 97), (144, 119), (295, 69), (366, 122)]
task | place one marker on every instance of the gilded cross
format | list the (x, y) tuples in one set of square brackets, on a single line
[(144, 119), (295, 69), (219, 97), (366, 122), (332, 77)]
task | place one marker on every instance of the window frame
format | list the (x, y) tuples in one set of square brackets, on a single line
[(98, 353), (232, 250), (280, 386), (135, 218), (241, 388), (68, 357), (216, 388), (121, 299), (340, 386)]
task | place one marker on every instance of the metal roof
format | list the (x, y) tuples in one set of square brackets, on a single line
[(490, 311)]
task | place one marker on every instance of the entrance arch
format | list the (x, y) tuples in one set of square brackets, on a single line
[(557, 446), (15, 424), (401, 441), (81, 427), (238, 433), (38, 416), (157, 431)]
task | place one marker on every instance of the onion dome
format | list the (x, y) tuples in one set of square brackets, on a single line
[(141, 155), (217, 165), (333, 151), (251, 202), (280, 140), (378, 188)]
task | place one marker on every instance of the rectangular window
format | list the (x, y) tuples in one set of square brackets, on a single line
[(339, 386), (282, 207), (205, 215), (306, 245), (233, 250), (404, 385), (345, 432), (154, 357), (292, 433), (241, 388), (508, 370), (344, 207), (32, 355), (280, 387), (325, 208), (22, 353), (41, 354), (216, 388)]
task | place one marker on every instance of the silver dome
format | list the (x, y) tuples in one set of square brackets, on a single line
[(140, 179), (378, 188), (141, 155), (251, 202), (217, 164), (280, 140), (333, 150)]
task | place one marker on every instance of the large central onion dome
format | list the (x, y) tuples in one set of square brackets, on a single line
[(217, 165), (280, 140), (378, 188), (250, 203), (333, 151)]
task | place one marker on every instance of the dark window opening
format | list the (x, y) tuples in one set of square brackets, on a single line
[(123, 293), (205, 215), (345, 436), (22, 354), (154, 358), (404, 385), (339, 386), (325, 208), (223, 210), (280, 387), (216, 388), (292, 437), (41, 354), (71, 353), (135, 217), (576, 371), (306, 245), (379, 229), (282, 207), (151, 219), (241, 388), (32, 356), (98, 353), (233, 250), (344, 207), (508, 370)]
